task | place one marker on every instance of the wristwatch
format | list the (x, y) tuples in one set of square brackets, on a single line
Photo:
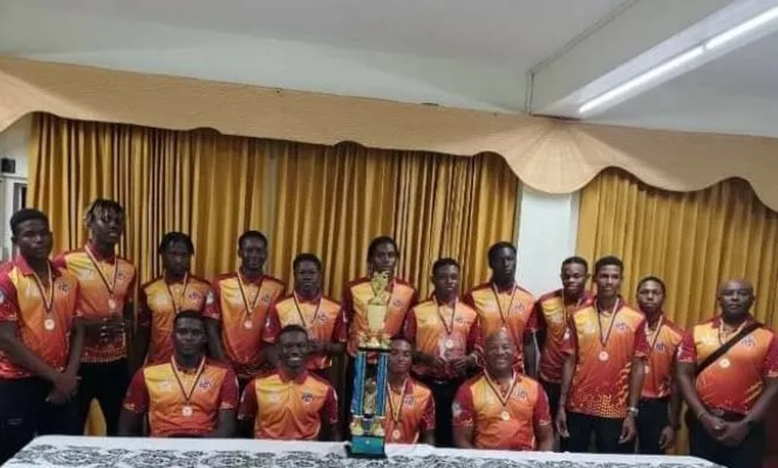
[(632, 411)]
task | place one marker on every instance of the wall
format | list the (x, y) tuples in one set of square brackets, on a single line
[(14, 144)]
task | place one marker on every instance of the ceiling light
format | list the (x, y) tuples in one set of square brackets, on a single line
[(640, 80), (743, 28)]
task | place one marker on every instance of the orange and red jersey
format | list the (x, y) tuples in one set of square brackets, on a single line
[(44, 316), (106, 285), (734, 381), (444, 330), (663, 342), (552, 315), (409, 412), (160, 390), (322, 317), (160, 301), (501, 421), (241, 306), (511, 309), (604, 344), (400, 297), (289, 408)]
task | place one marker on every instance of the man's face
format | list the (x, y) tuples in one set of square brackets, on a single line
[(253, 253), (189, 336), (383, 258), (33, 239), (400, 357), (293, 349), (177, 258), (574, 276), (651, 297), (736, 298), (107, 228), (446, 280), (608, 281), (307, 278), (503, 264), (500, 352)]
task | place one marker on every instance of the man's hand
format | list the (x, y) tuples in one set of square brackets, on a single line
[(733, 433), (713, 425), (561, 423), (460, 365), (317, 347), (628, 429), (666, 438)]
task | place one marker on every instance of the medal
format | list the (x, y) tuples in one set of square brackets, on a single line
[(47, 296), (505, 416), (724, 363), (178, 306), (303, 322), (503, 314), (449, 343), (396, 434), (49, 324), (249, 306), (604, 356), (647, 369), (112, 304), (248, 324), (504, 399), (109, 285), (187, 411), (396, 408)]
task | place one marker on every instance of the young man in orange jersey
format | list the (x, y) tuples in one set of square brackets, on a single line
[(237, 309), (729, 391), (441, 329), (410, 405), (291, 403), (187, 396), (501, 303), (107, 289), (501, 409), (41, 339), (164, 297), (660, 399), (602, 376)]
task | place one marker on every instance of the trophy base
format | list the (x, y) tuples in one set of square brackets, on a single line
[(366, 447)]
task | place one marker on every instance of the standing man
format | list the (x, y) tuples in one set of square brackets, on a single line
[(41, 339), (164, 297), (660, 400), (728, 373), (602, 376), (440, 329), (187, 396), (501, 303), (307, 307), (410, 406), (291, 403), (502, 409), (107, 288), (237, 308), (552, 312)]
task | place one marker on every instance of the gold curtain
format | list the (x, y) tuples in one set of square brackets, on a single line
[(328, 200)]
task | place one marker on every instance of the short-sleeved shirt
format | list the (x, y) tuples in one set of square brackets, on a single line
[(96, 301), (552, 314), (155, 390), (401, 297), (477, 405), (600, 385), (658, 371), (241, 329), (445, 331), (511, 309), (322, 317), (734, 381), (289, 409), (415, 413), (22, 302), (160, 301)]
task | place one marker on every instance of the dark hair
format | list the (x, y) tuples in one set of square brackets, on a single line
[(249, 235), (100, 207), (292, 329), (306, 257), (607, 261), (499, 246), (576, 260), (192, 314), (444, 262), (656, 279), (378, 241), (26, 214), (402, 338), (173, 237)]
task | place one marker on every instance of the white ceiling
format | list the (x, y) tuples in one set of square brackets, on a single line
[(474, 54)]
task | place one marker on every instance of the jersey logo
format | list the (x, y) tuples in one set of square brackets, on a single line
[(209, 298), (661, 347), (205, 384), (621, 327), (307, 397), (748, 342)]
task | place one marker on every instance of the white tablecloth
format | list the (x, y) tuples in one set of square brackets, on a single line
[(103, 452)]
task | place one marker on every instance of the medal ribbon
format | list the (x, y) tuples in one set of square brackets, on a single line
[(721, 327), (109, 285), (652, 340), (253, 305), (498, 392), (300, 312), (47, 296), (396, 411), (604, 340), (188, 393), (449, 328), (178, 306)]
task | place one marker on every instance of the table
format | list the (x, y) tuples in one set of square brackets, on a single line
[(103, 452)]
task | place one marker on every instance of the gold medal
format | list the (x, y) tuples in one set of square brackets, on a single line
[(248, 324), (112, 304), (647, 369), (187, 411), (505, 416), (724, 363), (396, 434), (449, 343), (49, 324), (604, 356)]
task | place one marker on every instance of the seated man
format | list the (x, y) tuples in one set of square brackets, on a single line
[(410, 407), (290, 403), (501, 409), (189, 396)]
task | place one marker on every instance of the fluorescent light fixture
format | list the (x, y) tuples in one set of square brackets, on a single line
[(743, 28), (641, 80)]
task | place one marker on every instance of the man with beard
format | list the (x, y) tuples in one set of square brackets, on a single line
[(728, 373), (291, 403)]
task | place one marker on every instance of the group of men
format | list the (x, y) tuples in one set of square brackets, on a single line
[(494, 369)]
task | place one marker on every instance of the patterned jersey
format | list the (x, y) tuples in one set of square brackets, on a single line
[(663, 344), (409, 413)]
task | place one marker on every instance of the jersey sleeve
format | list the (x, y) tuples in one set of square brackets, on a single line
[(687, 351), (642, 347), (532, 321), (248, 402), (428, 417), (329, 411), (541, 415), (463, 410), (9, 303), (59, 261), (212, 309), (570, 339), (409, 328), (137, 397), (539, 316), (348, 304), (272, 324), (144, 312), (340, 330), (228, 396), (770, 367)]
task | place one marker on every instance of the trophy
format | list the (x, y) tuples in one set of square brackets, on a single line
[(368, 405)]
